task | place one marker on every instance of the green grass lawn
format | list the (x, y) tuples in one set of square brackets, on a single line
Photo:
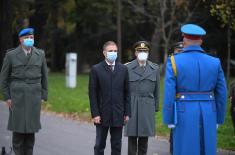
[(62, 99), (75, 101)]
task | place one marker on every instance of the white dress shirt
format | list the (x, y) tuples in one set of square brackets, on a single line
[(113, 64)]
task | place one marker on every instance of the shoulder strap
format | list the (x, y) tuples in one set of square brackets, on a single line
[(173, 65)]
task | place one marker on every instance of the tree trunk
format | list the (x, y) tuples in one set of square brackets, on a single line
[(119, 29), (155, 42), (166, 48), (6, 37), (39, 20), (54, 29), (229, 53)]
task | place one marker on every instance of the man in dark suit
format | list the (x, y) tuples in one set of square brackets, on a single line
[(109, 99)]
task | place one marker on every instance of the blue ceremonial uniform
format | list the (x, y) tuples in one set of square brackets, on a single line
[(199, 91)]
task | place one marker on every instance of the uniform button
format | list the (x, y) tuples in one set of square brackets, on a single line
[(182, 97)]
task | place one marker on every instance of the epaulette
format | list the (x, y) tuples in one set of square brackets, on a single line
[(172, 58), (174, 54), (210, 54), (153, 65), (127, 63), (11, 49), (39, 51)]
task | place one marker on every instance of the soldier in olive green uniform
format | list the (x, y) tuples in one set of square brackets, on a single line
[(24, 87), (144, 81)]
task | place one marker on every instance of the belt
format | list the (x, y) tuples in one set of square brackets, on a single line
[(141, 94), (195, 96), (28, 81)]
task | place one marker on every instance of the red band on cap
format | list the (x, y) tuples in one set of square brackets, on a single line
[(191, 37)]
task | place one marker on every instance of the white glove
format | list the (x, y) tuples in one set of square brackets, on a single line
[(171, 126)]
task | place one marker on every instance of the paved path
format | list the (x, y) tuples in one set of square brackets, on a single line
[(61, 136)]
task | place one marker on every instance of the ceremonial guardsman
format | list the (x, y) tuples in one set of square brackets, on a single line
[(144, 79), (194, 96), (177, 48), (24, 87)]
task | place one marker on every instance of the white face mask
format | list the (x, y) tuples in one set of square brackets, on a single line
[(142, 56)]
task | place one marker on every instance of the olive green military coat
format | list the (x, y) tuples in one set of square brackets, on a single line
[(24, 81), (144, 92)]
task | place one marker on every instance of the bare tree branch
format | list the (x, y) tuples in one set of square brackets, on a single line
[(162, 13), (141, 10), (173, 6), (191, 12), (167, 21)]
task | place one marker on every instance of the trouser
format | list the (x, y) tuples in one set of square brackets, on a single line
[(23, 143), (101, 136), (233, 119), (137, 145), (232, 112), (171, 142)]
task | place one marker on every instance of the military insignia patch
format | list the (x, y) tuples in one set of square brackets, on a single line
[(142, 45)]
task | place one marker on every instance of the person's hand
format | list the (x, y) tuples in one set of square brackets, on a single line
[(126, 119), (171, 126), (217, 126), (42, 101), (9, 103), (97, 120)]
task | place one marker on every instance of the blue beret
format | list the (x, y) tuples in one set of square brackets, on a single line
[(26, 31), (192, 29)]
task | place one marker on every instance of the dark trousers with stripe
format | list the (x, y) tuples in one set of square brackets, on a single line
[(23, 143)]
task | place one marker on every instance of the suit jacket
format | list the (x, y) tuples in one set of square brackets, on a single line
[(24, 81), (109, 93)]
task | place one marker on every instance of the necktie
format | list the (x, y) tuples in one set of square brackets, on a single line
[(142, 68), (111, 67), (28, 55)]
